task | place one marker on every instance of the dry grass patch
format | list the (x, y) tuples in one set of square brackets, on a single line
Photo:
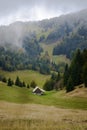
[(78, 92), (40, 117)]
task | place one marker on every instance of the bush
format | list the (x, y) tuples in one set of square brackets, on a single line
[(4, 79), (49, 85), (33, 84)]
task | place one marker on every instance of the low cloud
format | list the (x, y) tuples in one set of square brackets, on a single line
[(25, 10)]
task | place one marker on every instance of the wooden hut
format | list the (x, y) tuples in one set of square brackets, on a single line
[(38, 91)]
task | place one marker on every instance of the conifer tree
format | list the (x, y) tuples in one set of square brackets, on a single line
[(10, 82), (85, 74), (76, 68), (69, 86), (66, 74), (17, 82)]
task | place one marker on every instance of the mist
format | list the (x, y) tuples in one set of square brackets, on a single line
[(12, 35), (31, 10)]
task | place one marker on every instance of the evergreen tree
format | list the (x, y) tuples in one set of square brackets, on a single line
[(76, 68), (85, 74), (10, 82), (24, 85), (17, 82), (69, 86), (66, 74), (49, 85)]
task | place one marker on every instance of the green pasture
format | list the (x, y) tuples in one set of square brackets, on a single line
[(54, 98), (27, 76)]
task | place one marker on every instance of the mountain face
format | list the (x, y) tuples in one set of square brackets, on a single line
[(48, 31), (24, 39)]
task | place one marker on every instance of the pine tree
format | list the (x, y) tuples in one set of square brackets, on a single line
[(69, 86), (17, 82), (85, 74), (76, 68), (49, 85), (24, 85), (10, 82), (66, 74)]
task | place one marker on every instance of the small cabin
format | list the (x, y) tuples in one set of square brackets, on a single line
[(38, 91)]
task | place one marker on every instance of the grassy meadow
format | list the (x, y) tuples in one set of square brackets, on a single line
[(57, 58), (24, 95), (40, 117), (27, 76), (56, 110)]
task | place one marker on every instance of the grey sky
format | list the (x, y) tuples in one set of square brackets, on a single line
[(25, 10)]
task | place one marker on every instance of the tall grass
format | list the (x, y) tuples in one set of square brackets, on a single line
[(40, 117)]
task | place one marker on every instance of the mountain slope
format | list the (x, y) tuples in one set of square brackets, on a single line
[(48, 30), (23, 41)]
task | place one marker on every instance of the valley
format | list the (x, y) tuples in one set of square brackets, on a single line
[(51, 54)]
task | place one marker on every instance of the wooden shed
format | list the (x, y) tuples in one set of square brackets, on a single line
[(38, 91)]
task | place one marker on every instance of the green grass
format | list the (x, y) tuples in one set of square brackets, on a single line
[(53, 98), (48, 47), (58, 58), (27, 76)]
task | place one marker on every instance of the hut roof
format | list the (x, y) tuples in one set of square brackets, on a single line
[(38, 90)]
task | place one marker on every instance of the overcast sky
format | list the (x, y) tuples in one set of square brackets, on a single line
[(27, 10)]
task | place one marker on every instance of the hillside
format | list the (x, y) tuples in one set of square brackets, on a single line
[(35, 44), (79, 92), (48, 30), (24, 95), (27, 76)]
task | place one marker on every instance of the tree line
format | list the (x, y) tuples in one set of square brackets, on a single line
[(54, 83), (71, 42), (17, 82), (28, 57), (76, 73)]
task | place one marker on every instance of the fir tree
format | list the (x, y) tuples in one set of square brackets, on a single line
[(17, 82), (66, 74), (69, 86), (85, 74), (24, 85), (10, 82)]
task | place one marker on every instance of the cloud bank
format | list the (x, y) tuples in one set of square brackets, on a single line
[(30, 10)]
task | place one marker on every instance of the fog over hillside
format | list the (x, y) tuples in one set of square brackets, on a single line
[(15, 32), (33, 10)]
